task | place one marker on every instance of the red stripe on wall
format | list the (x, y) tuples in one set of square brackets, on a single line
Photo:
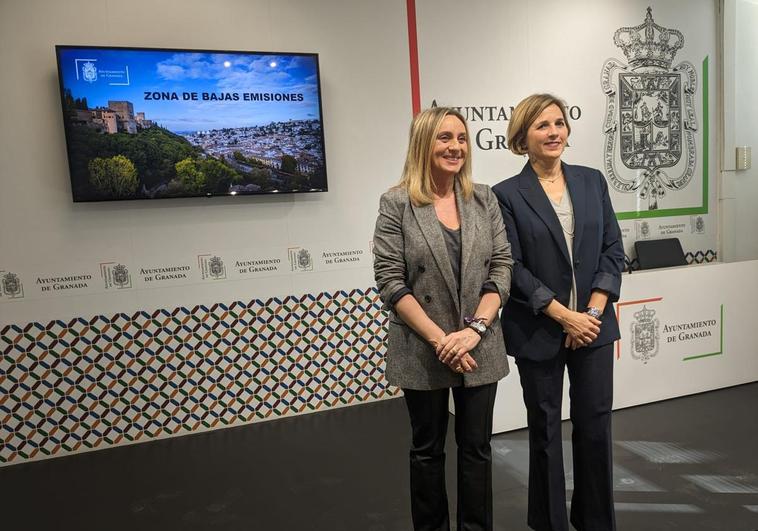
[(413, 51)]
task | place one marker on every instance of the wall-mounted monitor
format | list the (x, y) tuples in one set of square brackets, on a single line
[(147, 123)]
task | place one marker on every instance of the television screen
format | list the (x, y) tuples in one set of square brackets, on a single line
[(155, 123)]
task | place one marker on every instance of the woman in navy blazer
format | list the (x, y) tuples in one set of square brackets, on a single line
[(568, 258)]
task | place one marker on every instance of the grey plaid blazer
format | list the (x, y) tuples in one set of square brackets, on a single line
[(410, 252)]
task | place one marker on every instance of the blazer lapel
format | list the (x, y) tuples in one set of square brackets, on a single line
[(468, 227), (537, 199), (427, 220), (575, 186)]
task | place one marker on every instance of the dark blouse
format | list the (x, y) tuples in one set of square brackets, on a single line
[(453, 244)]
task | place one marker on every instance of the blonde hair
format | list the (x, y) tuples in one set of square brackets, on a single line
[(417, 172), (524, 115)]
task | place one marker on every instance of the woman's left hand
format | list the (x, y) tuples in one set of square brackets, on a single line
[(574, 343), (582, 328), (453, 346), (575, 338)]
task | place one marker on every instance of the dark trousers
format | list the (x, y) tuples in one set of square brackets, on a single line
[(428, 411), (591, 393)]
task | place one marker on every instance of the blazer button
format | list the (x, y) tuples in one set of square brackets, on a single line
[(421, 269), (427, 298)]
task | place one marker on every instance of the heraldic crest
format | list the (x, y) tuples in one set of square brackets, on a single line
[(121, 276), (216, 267), (89, 72), (650, 119), (12, 286), (645, 336)]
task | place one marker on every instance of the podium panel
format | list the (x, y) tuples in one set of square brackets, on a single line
[(683, 331)]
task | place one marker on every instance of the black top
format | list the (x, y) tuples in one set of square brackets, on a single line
[(453, 244)]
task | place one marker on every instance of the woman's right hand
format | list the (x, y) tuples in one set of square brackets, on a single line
[(459, 363), (454, 350)]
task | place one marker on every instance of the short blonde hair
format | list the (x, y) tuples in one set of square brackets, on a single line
[(417, 173), (524, 115)]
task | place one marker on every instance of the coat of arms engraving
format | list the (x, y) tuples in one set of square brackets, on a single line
[(650, 120), (12, 287), (645, 335), (304, 259), (216, 267), (121, 276)]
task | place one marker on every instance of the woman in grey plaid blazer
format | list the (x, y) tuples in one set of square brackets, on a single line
[(442, 265)]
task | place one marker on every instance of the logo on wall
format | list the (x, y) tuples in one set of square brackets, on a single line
[(300, 259), (650, 120), (645, 335), (211, 267), (697, 224), (643, 230), (115, 276), (12, 286), (216, 267)]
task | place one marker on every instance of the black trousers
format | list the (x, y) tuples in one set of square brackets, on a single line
[(591, 393), (428, 411)]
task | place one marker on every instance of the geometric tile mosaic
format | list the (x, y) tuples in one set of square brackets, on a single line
[(700, 257), (66, 386)]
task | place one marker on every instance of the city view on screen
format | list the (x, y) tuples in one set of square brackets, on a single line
[(153, 123)]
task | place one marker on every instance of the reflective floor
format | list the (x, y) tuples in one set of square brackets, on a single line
[(685, 464)]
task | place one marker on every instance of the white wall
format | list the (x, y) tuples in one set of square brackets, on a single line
[(363, 52), (745, 132), (366, 109), (740, 86)]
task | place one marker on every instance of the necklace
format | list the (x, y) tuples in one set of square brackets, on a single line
[(549, 181)]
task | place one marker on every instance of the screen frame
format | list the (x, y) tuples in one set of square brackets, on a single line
[(61, 90)]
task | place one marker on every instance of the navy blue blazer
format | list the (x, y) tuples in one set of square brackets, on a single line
[(541, 268)]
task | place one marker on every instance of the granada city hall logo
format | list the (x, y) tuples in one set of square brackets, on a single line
[(645, 335), (12, 286), (216, 267), (650, 120), (300, 259), (212, 267), (89, 72), (115, 275)]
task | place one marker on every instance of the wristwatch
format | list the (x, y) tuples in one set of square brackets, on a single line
[(476, 324), (592, 311)]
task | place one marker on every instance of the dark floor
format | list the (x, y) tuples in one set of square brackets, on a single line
[(686, 464)]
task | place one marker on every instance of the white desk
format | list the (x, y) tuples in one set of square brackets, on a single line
[(707, 338)]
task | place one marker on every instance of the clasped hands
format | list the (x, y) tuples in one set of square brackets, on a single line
[(581, 329), (453, 350)]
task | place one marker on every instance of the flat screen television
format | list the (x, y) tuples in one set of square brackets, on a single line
[(149, 123)]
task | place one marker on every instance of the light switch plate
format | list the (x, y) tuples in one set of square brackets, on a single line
[(744, 158)]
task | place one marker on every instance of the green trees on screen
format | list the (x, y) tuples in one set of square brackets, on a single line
[(289, 164), (113, 177), (205, 175)]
